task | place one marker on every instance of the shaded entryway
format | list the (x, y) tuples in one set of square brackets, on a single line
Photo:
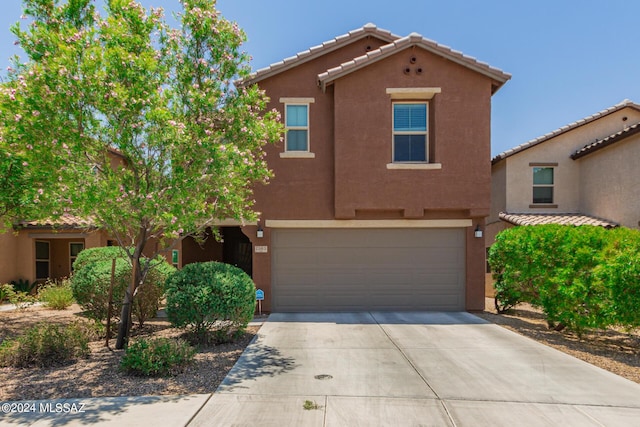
[(234, 248)]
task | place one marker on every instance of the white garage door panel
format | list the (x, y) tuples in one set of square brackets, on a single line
[(368, 269)]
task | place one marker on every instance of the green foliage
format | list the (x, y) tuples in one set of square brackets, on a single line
[(91, 281), (212, 300), (621, 273), (582, 277), (45, 345), (105, 253), (157, 357), (6, 292), (138, 125), (23, 285), (57, 296)]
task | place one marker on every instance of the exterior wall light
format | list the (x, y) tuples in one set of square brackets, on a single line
[(477, 233), (260, 232)]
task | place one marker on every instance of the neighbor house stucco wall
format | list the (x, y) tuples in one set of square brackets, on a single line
[(605, 194)]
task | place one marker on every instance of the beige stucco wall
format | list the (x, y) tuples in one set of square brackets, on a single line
[(567, 174), (610, 182), (17, 251)]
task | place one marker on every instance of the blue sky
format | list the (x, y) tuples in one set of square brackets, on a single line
[(569, 58)]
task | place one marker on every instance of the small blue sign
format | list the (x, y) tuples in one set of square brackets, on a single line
[(259, 295)]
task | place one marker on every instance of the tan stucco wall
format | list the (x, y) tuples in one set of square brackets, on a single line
[(567, 174), (8, 256), (610, 182), (17, 251)]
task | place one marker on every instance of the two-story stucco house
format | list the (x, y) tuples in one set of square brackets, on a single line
[(381, 180), (382, 183), (583, 173)]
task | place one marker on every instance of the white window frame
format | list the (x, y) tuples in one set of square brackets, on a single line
[(301, 154), (47, 260), (425, 133), (72, 258), (552, 185)]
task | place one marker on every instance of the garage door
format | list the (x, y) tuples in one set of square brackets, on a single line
[(368, 269)]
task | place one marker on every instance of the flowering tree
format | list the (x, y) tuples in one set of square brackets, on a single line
[(134, 124)]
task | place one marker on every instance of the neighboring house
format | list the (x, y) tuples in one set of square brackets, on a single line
[(583, 173), (45, 250), (381, 179)]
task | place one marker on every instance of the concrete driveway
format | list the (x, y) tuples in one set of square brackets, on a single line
[(412, 369)]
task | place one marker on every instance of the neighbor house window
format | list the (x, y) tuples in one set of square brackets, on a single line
[(43, 260), (410, 132), (543, 185), (74, 250)]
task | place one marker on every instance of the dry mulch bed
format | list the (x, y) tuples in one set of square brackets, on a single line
[(614, 350), (98, 375)]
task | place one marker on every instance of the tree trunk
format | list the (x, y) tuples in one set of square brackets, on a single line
[(125, 317)]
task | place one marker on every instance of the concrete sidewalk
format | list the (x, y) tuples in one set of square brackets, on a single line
[(364, 369)]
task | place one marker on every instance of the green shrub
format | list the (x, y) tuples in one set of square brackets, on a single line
[(582, 277), (157, 357), (105, 253), (6, 292), (211, 300), (621, 274), (22, 300), (572, 295), (91, 281), (45, 345), (24, 286), (57, 296)]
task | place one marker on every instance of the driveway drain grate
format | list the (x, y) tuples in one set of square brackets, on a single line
[(323, 377)]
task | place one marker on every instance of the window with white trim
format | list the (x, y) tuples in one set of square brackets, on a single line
[(410, 132), (542, 185), (297, 126)]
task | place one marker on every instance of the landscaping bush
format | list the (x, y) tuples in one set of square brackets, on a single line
[(45, 345), (6, 292), (157, 357), (621, 274), (520, 260), (25, 286), (105, 253), (212, 300), (90, 284), (582, 277), (57, 296)]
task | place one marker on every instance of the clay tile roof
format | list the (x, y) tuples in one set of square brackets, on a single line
[(66, 221), (561, 219), (413, 39), (316, 51), (625, 103), (605, 142)]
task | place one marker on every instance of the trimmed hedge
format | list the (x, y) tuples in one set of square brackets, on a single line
[(212, 300), (582, 277)]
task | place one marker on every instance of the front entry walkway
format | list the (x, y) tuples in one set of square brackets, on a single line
[(401, 369)]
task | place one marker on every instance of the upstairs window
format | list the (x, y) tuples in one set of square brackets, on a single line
[(542, 185), (297, 127), (410, 132)]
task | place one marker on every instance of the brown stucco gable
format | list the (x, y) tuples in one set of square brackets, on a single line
[(497, 76)]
